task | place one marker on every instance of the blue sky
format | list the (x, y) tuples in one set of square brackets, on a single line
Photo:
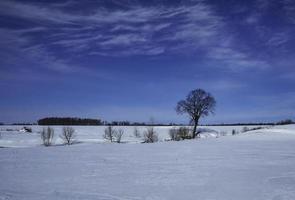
[(133, 60)]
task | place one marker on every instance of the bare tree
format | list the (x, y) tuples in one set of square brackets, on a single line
[(109, 133), (136, 132), (47, 135), (197, 104), (118, 135), (150, 135), (68, 135)]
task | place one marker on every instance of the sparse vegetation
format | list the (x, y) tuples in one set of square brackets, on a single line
[(180, 133), (118, 135), (246, 129), (184, 133), (173, 134), (28, 129), (47, 135), (109, 133), (68, 135), (113, 135), (150, 135), (222, 133), (136, 132)]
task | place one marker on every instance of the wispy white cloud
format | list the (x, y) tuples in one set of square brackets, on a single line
[(134, 30), (17, 49), (278, 39), (289, 6), (34, 13)]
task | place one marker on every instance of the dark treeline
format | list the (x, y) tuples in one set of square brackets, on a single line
[(24, 124), (96, 122), (241, 124), (127, 123), (283, 122), (69, 121)]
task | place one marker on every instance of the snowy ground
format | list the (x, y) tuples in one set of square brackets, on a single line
[(254, 165), (13, 136)]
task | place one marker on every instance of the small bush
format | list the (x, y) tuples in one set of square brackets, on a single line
[(136, 132), (184, 133), (68, 135), (234, 132), (109, 133), (118, 135), (180, 133), (150, 135), (245, 129), (222, 133), (173, 133), (256, 128), (27, 129), (47, 135)]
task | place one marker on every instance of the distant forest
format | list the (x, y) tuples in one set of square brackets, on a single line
[(283, 122), (95, 122), (69, 121)]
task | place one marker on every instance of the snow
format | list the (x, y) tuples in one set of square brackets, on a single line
[(256, 165), (16, 137)]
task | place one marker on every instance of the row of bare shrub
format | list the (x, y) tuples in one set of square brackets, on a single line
[(68, 135), (114, 135), (247, 129)]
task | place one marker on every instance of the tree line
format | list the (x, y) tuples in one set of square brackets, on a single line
[(69, 121), (97, 122)]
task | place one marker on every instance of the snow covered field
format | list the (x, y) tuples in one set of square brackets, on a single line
[(254, 165), (13, 136)]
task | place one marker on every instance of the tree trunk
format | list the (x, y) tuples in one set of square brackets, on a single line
[(195, 129)]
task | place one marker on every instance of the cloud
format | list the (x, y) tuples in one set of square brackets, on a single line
[(182, 29), (34, 13), (278, 39), (289, 7), (253, 19), (124, 39), (19, 50)]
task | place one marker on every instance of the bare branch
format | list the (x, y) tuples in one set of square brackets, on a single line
[(197, 104), (118, 135), (68, 135), (47, 135)]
